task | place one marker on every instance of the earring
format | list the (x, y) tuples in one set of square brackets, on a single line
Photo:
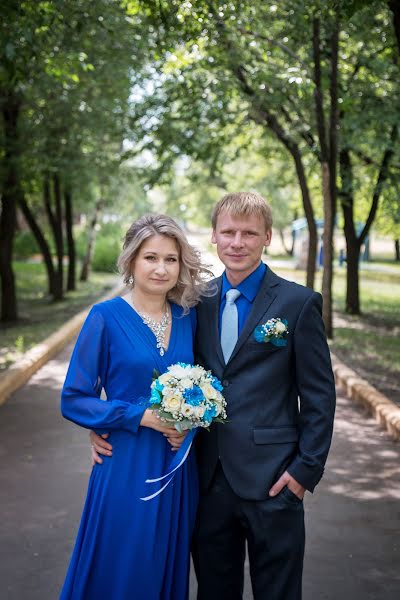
[(130, 280)]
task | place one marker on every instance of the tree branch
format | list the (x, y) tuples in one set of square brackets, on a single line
[(319, 106), (279, 45), (382, 177)]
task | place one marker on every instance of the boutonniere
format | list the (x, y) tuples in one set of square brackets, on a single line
[(274, 331)]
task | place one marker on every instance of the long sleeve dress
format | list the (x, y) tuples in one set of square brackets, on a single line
[(127, 548)]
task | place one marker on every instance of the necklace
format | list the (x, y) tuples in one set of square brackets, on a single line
[(158, 328)]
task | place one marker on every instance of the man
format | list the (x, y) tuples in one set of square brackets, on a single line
[(280, 394)]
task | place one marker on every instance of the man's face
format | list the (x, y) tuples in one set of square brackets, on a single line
[(240, 242)]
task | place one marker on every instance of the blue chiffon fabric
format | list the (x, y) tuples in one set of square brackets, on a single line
[(127, 548)]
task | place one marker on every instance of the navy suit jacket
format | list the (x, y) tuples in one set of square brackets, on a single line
[(280, 400)]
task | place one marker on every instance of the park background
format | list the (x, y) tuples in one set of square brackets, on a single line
[(113, 108)]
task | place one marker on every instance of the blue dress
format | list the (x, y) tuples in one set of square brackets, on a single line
[(126, 548)]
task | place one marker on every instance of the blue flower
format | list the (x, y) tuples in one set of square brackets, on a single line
[(217, 385), (155, 397), (274, 331), (209, 414), (259, 333), (278, 342), (193, 396)]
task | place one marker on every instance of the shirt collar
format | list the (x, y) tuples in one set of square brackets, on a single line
[(248, 287)]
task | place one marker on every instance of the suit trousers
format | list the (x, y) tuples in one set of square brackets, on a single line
[(274, 531)]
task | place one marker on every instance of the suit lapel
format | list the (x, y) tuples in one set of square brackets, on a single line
[(265, 297), (214, 337)]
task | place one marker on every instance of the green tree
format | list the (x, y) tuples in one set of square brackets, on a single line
[(297, 80), (73, 107)]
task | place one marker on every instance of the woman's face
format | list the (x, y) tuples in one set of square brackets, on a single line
[(156, 266)]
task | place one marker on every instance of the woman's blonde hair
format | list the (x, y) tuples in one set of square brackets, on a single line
[(193, 274), (243, 203)]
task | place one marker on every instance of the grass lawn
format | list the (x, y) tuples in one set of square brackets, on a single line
[(39, 317), (370, 343)]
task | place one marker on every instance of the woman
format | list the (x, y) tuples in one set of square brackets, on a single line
[(128, 548)]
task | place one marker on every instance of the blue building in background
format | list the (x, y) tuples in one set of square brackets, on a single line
[(300, 247)]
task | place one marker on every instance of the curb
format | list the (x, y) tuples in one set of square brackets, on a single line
[(386, 412), (23, 369)]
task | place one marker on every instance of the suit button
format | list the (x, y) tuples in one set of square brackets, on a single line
[(225, 382)]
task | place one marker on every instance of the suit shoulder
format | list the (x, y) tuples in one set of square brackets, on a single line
[(296, 290), (210, 293)]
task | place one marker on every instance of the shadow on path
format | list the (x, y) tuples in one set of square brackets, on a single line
[(353, 519)]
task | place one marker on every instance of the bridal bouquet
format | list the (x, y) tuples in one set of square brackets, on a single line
[(188, 396)]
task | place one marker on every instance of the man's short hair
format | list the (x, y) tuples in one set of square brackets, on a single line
[(243, 204)]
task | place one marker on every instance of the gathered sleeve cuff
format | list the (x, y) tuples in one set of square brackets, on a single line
[(86, 376)]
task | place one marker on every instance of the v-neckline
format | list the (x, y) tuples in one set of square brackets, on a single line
[(147, 328)]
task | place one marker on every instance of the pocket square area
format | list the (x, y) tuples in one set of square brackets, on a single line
[(274, 331)]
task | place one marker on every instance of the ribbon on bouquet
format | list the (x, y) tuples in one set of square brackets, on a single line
[(176, 464)]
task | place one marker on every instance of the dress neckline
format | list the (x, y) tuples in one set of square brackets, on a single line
[(173, 308)]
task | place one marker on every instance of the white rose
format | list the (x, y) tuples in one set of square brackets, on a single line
[(219, 399), (169, 391), (187, 410), (165, 378), (186, 383), (280, 327), (209, 391), (196, 372), (199, 411), (172, 403)]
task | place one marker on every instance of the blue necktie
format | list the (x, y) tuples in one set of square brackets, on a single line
[(229, 324)]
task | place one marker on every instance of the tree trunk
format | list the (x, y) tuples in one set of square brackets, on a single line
[(380, 182), (397, 250), (352, 278), (352, 243), (262, 116), (87, 261), (42, 243), (394, 6), (293, 234), (328, 154), (352, 305), (57, 282), (9, 198), (309, 214), (58, 230), (71, 277), (283, 241), (327, 275)]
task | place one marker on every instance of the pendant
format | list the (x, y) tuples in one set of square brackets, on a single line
[(158, 329)]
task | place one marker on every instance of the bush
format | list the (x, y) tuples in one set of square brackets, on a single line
[(80, 237), (106, 252), (25, 245)]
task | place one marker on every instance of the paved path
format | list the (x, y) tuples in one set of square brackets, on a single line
[(353, 518)]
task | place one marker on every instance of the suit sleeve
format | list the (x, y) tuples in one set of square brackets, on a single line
[(316, 387), (86, 376)]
